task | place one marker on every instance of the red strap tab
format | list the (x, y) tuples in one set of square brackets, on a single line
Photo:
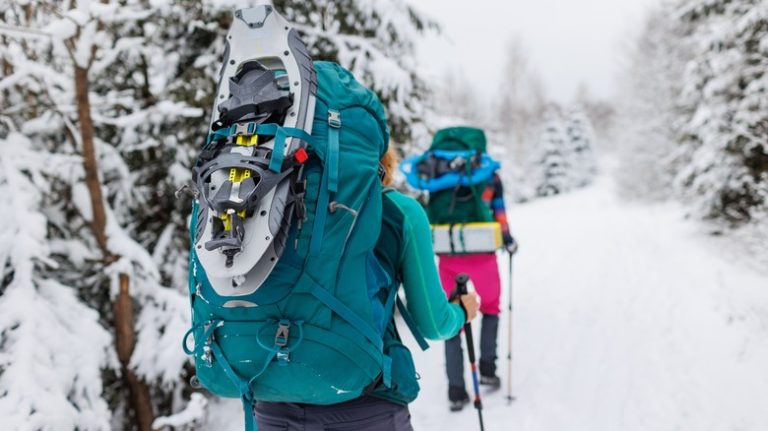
[(301, 155)]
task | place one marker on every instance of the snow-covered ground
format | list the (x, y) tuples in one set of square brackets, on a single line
[(626, 318)]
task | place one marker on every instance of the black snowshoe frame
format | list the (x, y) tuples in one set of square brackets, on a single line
[(239, 199)]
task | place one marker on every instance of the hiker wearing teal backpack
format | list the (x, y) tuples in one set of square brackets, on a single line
[(405, 253), (291, 302), (469, 222)]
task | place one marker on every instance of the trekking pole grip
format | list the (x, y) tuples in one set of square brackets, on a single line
[(462, 280), (461, 289), (461, 283)]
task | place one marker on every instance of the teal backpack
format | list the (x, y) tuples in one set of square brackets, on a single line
[(315, 331)]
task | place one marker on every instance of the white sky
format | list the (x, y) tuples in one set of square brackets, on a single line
[(570, 41)]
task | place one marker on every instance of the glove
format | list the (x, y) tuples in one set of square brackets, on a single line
[(511, 246)]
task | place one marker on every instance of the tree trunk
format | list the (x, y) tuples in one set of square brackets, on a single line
[(6, 69), (146, 93), (125, 336), (125, 340), (90, 164)]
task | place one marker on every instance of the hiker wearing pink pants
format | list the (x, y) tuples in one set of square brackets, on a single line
[(483, 270)]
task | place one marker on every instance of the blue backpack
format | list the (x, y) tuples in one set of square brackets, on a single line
[(314, 331)]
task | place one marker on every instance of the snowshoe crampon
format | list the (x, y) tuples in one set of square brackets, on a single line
[(247, 176)]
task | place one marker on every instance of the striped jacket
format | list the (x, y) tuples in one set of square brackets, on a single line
[(493, 196)]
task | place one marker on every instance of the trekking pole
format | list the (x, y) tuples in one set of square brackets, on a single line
[(461, 287), (510, 398)]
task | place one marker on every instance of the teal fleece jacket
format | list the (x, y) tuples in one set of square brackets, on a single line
[(405, 251)]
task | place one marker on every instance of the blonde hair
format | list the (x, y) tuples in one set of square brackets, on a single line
[(389, 163)]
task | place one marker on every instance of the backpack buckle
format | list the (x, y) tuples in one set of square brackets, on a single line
[(242, 129), (281, 340), (281, 336), (334, 118)]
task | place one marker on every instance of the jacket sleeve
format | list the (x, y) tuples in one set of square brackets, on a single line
[(437, 318), (494, 198)]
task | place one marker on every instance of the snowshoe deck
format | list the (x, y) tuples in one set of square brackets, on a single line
[(246, 200)]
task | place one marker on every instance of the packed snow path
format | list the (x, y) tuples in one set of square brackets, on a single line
[(626, 318)]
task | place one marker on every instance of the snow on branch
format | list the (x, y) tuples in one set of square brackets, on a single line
[(52, 346)]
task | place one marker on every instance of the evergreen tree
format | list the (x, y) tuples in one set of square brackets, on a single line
[(77, 74), (106, 105), (724, 137), (53, 346), (581, 142), (648, 125), (553, 164), (376, 41)]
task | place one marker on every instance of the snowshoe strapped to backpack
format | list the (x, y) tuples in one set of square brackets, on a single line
[(299, 327), (247, 176), (455, 171)]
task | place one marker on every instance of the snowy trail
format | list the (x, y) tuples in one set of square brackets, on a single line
[(625, 318)]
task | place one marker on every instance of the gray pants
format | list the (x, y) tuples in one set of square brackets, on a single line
[(454, 354), (363, 414)]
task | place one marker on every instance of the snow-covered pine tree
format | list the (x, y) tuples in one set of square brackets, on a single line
[(649, 113), (145, 70), (53, 346), (376, 41), (581, 143), (80, 80), (724, 145), (601, 114), (552, 166)]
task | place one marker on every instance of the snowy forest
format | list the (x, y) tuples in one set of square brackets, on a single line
[(104, 106)]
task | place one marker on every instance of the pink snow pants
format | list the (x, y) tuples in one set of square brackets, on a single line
[(483, 270)]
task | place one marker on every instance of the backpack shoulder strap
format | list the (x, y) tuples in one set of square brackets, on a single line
[(393, 300), (411, 323)]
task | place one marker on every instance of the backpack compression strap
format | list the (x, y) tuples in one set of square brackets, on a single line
[(349, 316), (330, 182), (411, 323)]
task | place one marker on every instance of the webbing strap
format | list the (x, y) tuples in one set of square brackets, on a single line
[(276, 161), (199, 344), (334, 123), (218, 134), (321, 212), (250, 415), (347, 314), (246, 394), (280, 133), (411, 323), (461, 239), (271, 129), (450, 238), (386, 372)]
